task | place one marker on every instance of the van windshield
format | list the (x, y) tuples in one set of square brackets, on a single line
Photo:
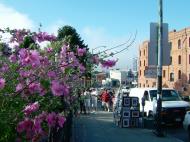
[(167, 95)]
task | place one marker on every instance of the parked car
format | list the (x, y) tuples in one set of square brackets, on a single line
[(173, 107), (186, 122)]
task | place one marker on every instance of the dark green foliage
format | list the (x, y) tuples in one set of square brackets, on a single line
[(29, 43), (69, 35)]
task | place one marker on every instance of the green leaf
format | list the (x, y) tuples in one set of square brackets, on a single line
[(45, 83)]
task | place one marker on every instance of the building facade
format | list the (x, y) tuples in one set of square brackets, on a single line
[(177, 74)]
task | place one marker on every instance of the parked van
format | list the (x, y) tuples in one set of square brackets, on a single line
[(173, 107)]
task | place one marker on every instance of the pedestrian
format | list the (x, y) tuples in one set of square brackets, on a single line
[(81, 101), (94, 99), (87, 101), (105, 97)]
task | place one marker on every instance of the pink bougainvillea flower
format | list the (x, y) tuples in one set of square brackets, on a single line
[(81, 51), (61, 120), (21, 127), (51, 119), (25, 125), (31, 108), (59, 89), (51, 74), (49, 49), (35, 87), (37, 125), (108, 63), (13, 58), (34, 58), (25, 74), (23, 53), (2, 83), (82, 68), (19, 87)]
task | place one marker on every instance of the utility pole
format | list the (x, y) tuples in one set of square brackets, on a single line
[(158, 130)]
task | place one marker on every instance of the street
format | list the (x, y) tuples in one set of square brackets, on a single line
[(178, 132), (99, 127)]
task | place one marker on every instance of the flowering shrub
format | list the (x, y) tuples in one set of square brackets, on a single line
[(34, 83)]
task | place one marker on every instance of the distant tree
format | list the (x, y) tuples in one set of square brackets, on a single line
[(69, 34)]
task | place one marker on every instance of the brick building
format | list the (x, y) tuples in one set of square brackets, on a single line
[(177, 74)]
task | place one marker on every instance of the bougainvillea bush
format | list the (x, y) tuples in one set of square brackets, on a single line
[(36, 82)]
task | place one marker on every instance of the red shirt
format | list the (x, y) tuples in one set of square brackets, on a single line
[(105, 97)]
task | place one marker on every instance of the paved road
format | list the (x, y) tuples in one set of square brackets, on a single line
[(178, 132), (100, 128)]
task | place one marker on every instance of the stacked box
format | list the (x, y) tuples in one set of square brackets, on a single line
[(130, 112)]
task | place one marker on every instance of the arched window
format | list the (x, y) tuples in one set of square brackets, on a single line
[(171, 76), (179, 74), (179, 44), (179, 59)]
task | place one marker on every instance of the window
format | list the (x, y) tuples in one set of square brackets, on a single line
[(140, 63), (189, 79), (171, 76), (189, 41), (140, 72), (144, 62), (179, 59), (164, 73), (179, 44), (140, 53), (179, 74), (189, 58), (170, 60), (144, 52), (139, 84)]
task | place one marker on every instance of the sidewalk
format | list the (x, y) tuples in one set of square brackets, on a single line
[(99, 127)]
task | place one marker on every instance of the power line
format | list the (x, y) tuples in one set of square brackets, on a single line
[(117, 45), (125, 47)]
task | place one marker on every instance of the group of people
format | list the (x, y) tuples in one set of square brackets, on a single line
[(88, 100)]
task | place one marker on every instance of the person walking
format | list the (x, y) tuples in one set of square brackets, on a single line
[(87, 101), (94, 99), (105, 97), (81, 98)]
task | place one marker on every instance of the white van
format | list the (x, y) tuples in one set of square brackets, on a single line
[(173, 107)]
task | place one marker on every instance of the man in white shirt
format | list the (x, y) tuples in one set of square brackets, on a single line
[(94, 99)]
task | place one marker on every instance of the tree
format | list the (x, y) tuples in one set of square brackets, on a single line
[(70, 35)]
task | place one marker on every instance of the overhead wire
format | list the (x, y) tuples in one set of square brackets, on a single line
[(111, 55)]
